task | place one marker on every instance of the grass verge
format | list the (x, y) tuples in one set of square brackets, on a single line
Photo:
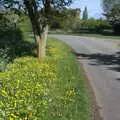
[(69, 91), (52, 88)]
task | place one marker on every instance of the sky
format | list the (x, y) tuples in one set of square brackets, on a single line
[(94, 7)]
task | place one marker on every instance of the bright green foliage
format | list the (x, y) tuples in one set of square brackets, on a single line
[(85, 14), (65, 19), (70, 99), (97, 26), (92, 26), (45, 89)]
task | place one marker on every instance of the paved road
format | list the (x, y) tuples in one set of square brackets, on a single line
[(101, 61)]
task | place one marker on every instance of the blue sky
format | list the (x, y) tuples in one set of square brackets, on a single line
[(94, 7)]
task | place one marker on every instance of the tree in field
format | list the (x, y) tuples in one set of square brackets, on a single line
[(85, 14), (40, 13)]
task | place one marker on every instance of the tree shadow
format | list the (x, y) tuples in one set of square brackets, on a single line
[(111, 61)]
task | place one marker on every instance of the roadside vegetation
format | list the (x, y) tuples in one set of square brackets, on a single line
[(39, 80), (50, 88), (91, 28), (39, 89)]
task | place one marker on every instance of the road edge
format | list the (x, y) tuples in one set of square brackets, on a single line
[(96, 110)]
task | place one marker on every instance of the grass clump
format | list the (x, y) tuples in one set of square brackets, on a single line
[(47, 89)]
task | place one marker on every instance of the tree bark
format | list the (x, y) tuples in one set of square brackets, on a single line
[(44, 39), (40, 29), (41, 43)]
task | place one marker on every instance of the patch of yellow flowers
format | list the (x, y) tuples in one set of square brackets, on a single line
[(26, 83)]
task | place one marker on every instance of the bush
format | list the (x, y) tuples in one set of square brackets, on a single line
[(13, 41), (93, 26), (13, 45)]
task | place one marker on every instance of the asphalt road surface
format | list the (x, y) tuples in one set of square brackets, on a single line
[(101, 62)]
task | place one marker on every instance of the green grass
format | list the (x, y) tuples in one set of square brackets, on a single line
[(69, 79)]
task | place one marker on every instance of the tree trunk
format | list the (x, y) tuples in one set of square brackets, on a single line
[(41, 43), (44, 37), (40, 29)]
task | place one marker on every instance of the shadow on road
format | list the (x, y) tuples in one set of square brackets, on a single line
[(112, 61)]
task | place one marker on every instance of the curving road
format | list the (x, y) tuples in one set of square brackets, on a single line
[(101, 61)]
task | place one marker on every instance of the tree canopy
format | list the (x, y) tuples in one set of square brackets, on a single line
[(40, 13), (113, 17), (108, 4)]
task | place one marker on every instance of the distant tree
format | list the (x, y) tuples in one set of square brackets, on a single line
[(62, 17), (39, 12), (108, 4), (72, 16), (85, 14), (113, 16)]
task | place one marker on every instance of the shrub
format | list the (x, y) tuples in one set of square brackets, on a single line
[(91, 26), (12, 45), (13, 41)]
